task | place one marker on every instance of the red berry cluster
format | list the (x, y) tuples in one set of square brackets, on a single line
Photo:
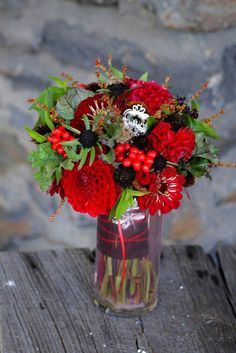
[(60, 135), (133, 157)]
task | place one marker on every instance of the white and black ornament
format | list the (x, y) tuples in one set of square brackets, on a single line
[(136, 119)]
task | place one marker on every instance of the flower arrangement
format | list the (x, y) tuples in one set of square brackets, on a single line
[(105, 144), (115, 145)]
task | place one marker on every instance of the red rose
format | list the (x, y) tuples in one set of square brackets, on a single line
[(92, 189), (150, 93), (165, 192), (172, 145)]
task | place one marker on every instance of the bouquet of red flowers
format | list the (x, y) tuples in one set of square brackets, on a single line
[(121, 149), (106, 144)]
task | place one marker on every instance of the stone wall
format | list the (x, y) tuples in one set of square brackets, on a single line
[(37, 40)]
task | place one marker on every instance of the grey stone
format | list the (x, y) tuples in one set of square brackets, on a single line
[(196, 15), (13, 152), (13, 5), (228, 87), (99, 2)]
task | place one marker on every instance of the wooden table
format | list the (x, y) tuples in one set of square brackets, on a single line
[(47, 305)]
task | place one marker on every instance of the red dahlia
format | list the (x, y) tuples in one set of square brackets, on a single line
[(85, 108), (150, 93), (172, 145), (165, 192), (92, 189)]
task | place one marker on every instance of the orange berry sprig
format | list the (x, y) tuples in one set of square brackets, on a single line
[(133, 157), (60, 135)]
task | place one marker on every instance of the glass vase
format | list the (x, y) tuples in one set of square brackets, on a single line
[(127, 262)]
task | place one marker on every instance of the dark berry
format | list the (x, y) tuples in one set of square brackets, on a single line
[(123, 176), (88, 139), (189, 180), (194, 114), (159, 163), (187, 109), (94, 87), (180, 100), (117, 88), (177, 121), (140, 142)]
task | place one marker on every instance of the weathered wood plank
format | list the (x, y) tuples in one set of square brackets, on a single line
[(227, 262), (47, 307)]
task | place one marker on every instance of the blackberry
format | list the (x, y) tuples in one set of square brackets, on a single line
[(88, 139), (159, 163), (177, 121), (123, 176), (117, 88), (140, 142)]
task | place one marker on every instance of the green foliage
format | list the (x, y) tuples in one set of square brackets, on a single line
[(70, 128), (46, 165), (199, 126), (117, 73), (198, 166), (67, 104), (35, 135), (48, 97), (124, 202), (61, 83), (109, 157), (86, 122), (151, 122), (144, 77), (195, 104)]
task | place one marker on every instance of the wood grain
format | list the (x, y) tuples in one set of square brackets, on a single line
[(47, 307)]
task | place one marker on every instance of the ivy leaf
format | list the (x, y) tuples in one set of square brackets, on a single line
[(199, 126), (45, 162), (67, 104), (35, 135), (109, 157), (144, 77)]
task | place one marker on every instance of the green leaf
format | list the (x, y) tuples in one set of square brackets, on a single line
[(70, 128), (198, 166), (199, 126), (48, 121), (58, 174), (144, 77), (124, 204), (35, 135), (68, 164), (116, 72), (62, 83), (151, 122), (109, 157), (72, 155), (86, 122), (67, 104), (92, 156), (70, 143), (45, 162), (132, 192), (83, 157), (195, 104), (100, 146)]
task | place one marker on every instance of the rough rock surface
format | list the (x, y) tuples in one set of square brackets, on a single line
[(66, 37)]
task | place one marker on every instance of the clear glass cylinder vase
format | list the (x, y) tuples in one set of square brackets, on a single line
[(127, 262)]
